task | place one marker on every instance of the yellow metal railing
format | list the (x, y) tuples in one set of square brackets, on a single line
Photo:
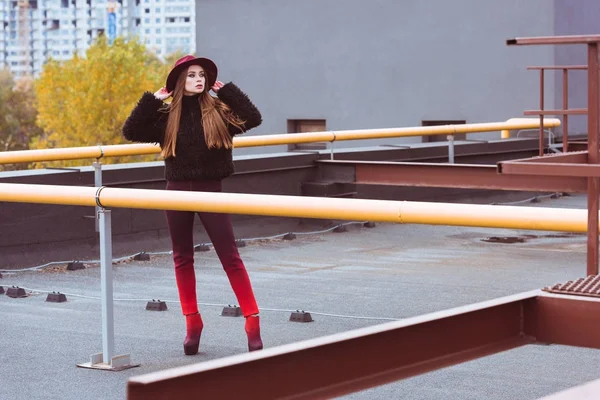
[(505, 133), (402, 212), (91, 152)]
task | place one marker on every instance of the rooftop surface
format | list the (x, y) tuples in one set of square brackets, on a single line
[(347, 280)]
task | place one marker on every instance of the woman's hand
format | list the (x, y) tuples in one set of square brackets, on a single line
[(162, 93), (217, 86)]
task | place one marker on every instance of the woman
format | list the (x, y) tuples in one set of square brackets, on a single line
[(195, 133)]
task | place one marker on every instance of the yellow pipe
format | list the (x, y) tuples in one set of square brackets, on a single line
[(76, 153), (552, 123), (401, 212)]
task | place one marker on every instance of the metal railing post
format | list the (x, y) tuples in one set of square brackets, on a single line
[(593, 158), (565, 107), (107, 360), (450, 149), (332, 142), (106, 284), (541, 130), (97, 183)]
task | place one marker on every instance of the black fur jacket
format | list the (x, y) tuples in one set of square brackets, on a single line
[(193, 159)]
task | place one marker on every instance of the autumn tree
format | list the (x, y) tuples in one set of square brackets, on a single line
[(84, 101), (17, 115)]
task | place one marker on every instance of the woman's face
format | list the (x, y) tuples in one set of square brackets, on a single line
[(195, 80)]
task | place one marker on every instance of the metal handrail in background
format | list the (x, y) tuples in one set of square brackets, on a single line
[(97, 152), (100, 151)]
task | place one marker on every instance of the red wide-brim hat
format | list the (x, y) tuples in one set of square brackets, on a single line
[(180, 65)]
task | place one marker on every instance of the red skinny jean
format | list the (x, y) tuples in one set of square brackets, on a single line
[(220, 231)]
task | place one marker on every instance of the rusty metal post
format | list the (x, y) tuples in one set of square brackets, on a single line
[(593, 183), (565, 107), (541, 115)]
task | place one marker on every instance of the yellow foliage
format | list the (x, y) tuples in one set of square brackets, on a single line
[(85, 101), (17, 115)]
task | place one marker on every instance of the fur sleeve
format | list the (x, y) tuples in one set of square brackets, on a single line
[(145, 123), (241, 106)]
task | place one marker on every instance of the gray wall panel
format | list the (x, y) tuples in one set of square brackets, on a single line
[(581, 17), (377, 64)]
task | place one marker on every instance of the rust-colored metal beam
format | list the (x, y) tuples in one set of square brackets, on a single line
[(566, 320), (569, 39), (573, 111), (593, 182), (356, 360), (350, 361), (574, 157), (578, 145), (557, 67), (465, 176), (563, 319), (549, 169)]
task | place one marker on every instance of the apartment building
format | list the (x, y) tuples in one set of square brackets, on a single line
[(166, 26), (33, 31)]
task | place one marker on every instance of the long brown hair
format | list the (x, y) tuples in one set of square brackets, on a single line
[(215, 117)]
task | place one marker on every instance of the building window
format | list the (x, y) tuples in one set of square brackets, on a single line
[(442, 138), (157, 30), (303, 126)]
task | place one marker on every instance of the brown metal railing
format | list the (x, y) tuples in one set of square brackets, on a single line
[(592, 43), (564, 111)]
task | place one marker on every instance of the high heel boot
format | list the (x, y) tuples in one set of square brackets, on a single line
[(253, 331), (194, 327)]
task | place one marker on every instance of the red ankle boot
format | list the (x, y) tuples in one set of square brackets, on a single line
[(194, 327), (253, 331)]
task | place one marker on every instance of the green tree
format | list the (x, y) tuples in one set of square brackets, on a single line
[(84, 101), (17, 115)]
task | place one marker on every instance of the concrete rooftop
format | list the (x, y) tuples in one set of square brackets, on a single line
[(363, 276)]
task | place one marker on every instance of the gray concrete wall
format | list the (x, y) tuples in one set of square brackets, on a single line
[(378, 63), (581, 17)]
